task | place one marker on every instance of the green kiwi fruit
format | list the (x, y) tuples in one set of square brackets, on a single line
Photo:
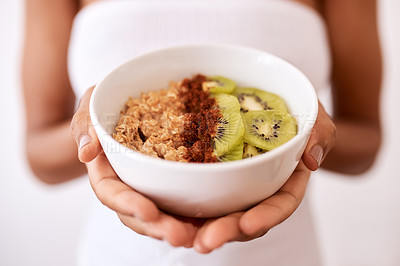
[(252, 99), (251, 151), (229, 133), (218, 84), (226, 103), (268, 129), (230, 128), (233, 155)]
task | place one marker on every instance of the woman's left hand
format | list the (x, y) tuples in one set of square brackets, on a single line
[(257, 221)]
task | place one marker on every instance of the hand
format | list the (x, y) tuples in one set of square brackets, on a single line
[(257, 221), (134, 210)]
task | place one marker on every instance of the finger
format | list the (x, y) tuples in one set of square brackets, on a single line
[(115, 194), (217, 232), (278, 207), (166, 228), (196, 222), (83, 131), (322, 140)]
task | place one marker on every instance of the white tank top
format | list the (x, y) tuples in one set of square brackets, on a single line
[(107, 33)]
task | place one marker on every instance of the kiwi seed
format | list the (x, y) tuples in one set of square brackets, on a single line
[(268, 129), (252, 99)]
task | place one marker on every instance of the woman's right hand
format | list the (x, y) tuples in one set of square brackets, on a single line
[(134, 210)]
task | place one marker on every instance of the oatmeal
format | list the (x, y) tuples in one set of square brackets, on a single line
[(168, 123)]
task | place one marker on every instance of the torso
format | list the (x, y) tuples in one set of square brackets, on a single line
[(310, 3), (106, 34)]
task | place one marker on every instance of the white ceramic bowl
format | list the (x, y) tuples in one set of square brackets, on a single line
[(194, 189)]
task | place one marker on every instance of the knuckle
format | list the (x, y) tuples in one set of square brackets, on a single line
[(122, 197), (133, 224), (333, 133), (73, 125), (78, 124), (123, 220), (76, 118), (330, 135), (99, 191)]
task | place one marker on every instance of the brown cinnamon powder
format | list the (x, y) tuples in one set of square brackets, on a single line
[(202, 117)]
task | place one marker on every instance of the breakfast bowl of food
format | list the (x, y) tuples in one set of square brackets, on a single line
[(204, 130)]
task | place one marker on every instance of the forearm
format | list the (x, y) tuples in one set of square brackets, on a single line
[(49, 99), (52, 154), (356, 82), (356, 147)]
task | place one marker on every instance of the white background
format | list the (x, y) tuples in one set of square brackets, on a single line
[(358, 218)]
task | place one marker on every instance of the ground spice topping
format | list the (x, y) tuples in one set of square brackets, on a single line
[(201, 120)]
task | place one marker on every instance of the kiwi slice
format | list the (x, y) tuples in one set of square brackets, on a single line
[(268, 129), (233, 155), (226, 103), (218, 84), (252, 99), (229, 133), (251, 151)]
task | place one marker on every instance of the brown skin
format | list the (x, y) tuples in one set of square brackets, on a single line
[(357, 74), (49, 99), (52, 151)]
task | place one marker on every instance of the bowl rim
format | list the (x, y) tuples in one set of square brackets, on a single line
[(265, 157)]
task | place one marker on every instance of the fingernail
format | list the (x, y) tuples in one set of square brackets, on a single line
[(188, 245), (199, 248), (317, 152), (85, 140)]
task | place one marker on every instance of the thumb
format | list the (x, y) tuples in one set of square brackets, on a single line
[(83, 132), (322, 140)]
